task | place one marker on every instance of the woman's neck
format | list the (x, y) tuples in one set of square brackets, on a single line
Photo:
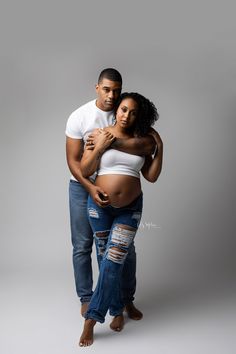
[(120, 132)]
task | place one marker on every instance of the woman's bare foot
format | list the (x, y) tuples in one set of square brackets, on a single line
[(133, 312), (117, 323), (86, 338)]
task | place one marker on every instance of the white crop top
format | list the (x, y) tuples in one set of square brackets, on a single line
[(115, 162)]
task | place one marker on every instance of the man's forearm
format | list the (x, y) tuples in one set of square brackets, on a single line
[(76, 172), (74, 152), (135, 146)]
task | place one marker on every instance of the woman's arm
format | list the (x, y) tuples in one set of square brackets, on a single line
[(153, 165), (91, 158)]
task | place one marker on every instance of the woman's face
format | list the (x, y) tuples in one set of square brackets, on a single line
[(127, 113)]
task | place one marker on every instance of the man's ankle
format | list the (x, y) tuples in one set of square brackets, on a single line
[(133, 312), (84, 308)]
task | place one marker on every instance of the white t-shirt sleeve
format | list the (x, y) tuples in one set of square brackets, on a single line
[(73, 126)]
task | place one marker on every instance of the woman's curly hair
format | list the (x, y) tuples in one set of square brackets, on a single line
[(147, 112)]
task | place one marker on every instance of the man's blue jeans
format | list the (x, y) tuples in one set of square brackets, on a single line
[(114, 231), (82, 241)]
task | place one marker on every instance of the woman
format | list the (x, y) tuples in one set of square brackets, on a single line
[(115, 225)]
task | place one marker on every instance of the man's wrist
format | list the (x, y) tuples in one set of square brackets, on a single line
[(90, 187)]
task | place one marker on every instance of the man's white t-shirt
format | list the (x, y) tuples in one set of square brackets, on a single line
[(85, 119)]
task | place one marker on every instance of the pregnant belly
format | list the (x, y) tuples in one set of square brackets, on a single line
[(121, 189)]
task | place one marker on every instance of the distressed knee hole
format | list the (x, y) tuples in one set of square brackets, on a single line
[(101, 241), (126, 227), (102, 234), (116, 255), (123, 235)]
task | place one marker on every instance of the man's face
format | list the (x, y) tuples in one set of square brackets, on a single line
[(107, 94)]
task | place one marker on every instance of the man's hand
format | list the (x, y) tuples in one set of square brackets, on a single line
[(91, 140), (99, 196)]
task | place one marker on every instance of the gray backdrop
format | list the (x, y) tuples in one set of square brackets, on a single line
[(180, 54)]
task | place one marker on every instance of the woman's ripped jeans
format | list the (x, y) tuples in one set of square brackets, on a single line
[(114, 231)]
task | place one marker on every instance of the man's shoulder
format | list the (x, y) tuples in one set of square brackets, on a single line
[(76, 122)]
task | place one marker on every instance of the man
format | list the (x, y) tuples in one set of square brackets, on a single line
[(97, 114)]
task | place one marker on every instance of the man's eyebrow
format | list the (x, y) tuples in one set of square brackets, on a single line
[(107, 87)]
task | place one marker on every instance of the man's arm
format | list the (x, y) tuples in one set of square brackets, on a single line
[(136, 146), (74, 151), (145, 145)]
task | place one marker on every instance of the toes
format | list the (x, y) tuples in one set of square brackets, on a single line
[(117, 324), (85, 343)]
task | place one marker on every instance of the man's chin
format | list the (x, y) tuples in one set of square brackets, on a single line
[(109, 106)]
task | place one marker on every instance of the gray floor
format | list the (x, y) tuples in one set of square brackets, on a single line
[(40, 315)]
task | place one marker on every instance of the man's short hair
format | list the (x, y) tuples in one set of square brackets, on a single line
[(110, 74)]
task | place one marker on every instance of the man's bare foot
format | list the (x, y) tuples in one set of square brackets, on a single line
[(86, 338), (133, 312), (84, 308), (117, 324)]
